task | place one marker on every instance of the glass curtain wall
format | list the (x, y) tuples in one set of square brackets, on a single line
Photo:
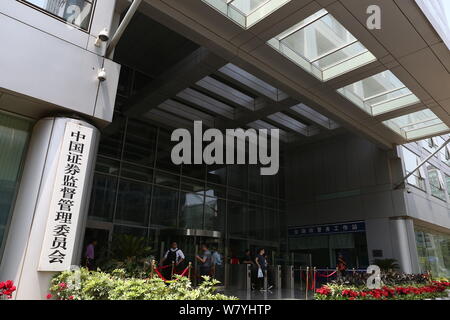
[(138, 191), (14, 134), (433, 249)]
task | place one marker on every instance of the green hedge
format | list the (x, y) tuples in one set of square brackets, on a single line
[(97, 285)]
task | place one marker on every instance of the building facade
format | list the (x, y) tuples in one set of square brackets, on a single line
[(85, 131)]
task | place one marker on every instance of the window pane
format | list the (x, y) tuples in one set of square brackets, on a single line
[(76, 12), (137, 172), (111, 138), (103, 198), (167, 179), (436, 182), (164, 158), (217, 175), (108, 166), (238, 220), (214, 214), (256, 227), (433, 249), (133, 203), (140, 143), (191, 210), (14, 134), (411, 162), (237, 176), (164, 207)]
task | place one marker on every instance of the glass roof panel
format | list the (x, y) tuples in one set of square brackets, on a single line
[(379, 94), (247, 7), (417, 125), (246, 13), (322, 46)]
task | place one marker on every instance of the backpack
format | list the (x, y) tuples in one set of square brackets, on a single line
[(171, 256)]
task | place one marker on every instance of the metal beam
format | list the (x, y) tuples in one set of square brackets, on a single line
[(206, 103), (251, 83), (186, 112), (188, 71), (223, 91), (310, 114), (293, 125)]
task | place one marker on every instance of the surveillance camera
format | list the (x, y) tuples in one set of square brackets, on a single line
[(101, 76), (103, 36)]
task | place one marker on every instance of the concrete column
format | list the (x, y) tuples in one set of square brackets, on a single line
[(404, 245), (26, 233), (395, 239)]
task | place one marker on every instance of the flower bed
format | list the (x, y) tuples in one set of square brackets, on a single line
[(435, 289), (7, 288)]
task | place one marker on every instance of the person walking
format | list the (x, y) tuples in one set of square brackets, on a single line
[(205, 260), (174, 256), (217, 260), (90, 255), (341, 266), (261, 263), (248, 259)]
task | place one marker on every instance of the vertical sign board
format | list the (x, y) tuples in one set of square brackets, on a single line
[(65, 206)]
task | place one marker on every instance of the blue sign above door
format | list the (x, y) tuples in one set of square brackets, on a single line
[(314, 230)]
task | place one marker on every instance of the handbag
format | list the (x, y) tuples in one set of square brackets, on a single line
[(260, 273)]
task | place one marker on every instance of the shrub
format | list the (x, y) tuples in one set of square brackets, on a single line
[(97, 285)]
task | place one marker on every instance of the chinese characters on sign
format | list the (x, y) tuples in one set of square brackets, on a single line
[(65, 205), (357, 226)]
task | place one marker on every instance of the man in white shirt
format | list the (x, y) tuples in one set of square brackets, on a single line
[(174, 255)]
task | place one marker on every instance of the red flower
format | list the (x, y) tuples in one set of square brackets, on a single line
[(2, 285), (324, 290), (62, 286), (49, 296), (71, 298)]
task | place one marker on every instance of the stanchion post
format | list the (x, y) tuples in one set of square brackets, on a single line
[(314, 280), (152, 269), (278, 284), (307, 283), (173, 269), (301, 278), (248, 277), (265, 280), (190, 269)]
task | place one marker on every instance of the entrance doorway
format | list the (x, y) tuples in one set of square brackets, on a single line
[(101, 250), (189, 241)]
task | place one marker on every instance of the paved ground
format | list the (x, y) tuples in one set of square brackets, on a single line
[(283, 294)]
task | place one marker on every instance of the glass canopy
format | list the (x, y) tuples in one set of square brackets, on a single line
[(417, 125), (246, 13), (322, 46), (379, 94)]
